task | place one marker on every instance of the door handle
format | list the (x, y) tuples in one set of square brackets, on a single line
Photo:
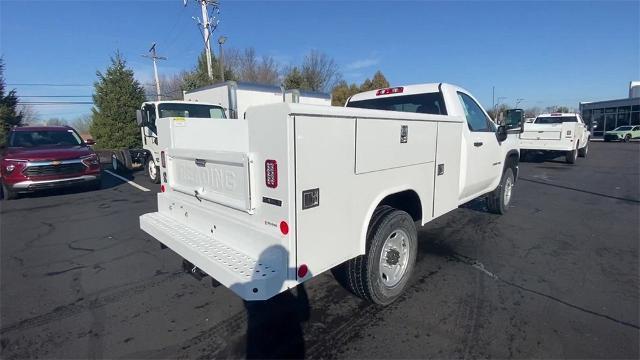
[(477, 143)]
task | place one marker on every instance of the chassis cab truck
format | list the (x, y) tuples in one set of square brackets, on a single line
[(151, 111), (564, 133), (269, 202)]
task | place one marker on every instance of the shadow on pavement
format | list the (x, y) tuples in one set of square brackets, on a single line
[(274, 326)]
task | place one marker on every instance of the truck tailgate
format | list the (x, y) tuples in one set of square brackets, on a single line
[(542, 132), (215, 176)]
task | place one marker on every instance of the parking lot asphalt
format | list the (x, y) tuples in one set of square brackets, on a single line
[(558, 276)]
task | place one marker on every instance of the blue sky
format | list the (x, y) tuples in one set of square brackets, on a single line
[(548, 53)]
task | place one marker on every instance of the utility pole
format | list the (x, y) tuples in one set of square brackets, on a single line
[(154, 56), (207, 26), (221, 41)]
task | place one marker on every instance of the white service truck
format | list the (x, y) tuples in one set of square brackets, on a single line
[(556, 133), (206, 102), (266, 203)]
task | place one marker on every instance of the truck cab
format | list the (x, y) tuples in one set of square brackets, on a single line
[(151, 111)]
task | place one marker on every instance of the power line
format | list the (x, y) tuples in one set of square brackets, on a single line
[(55, 102), (55, 96), (45, 84)]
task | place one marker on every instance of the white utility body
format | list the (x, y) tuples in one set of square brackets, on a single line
[(237, 97), (557, 132), (265, 203)]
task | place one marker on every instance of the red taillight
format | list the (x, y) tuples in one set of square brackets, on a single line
[(162, 188), (271, 173), (284, 227), (163, 162), (303, 270), (388, 91)]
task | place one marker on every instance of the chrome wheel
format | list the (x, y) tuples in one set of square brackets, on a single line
[(508, 187), (152, 169), (394, 258)]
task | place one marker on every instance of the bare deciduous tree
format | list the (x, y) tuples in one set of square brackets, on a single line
[(319, 71)]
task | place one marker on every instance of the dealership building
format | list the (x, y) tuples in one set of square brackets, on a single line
[(609, 114)]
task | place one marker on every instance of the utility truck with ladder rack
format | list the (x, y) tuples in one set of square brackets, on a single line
[(265, 203)]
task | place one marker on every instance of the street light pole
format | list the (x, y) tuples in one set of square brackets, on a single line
[(221, 41)]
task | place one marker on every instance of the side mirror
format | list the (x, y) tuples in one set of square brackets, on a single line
[(90, 142), (141, 118), (501, 133)]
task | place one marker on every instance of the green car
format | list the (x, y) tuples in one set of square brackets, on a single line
[(623, 133)]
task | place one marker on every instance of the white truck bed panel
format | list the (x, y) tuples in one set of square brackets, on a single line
[(380, 144)]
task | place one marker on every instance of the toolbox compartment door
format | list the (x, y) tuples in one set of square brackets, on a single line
[(387, 144)]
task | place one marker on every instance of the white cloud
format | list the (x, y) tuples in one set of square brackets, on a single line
[(362, 64)]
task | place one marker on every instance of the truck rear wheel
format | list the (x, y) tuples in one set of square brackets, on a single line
[(498, 201), (381, 275), (571, 156), (583, 152), (152, 170)]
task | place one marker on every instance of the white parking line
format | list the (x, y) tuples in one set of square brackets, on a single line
[(127, 181)]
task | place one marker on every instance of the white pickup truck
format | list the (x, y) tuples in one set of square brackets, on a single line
[(265, 203), (558, 133)]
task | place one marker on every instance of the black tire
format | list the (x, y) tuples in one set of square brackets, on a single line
[(499, 199), (121, 161), (8, 194), (362, 274), (583, 152), (571, 156), (627, 138), (149, 162)]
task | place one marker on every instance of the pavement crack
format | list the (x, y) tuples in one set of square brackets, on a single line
[(53, 273), (479, 266)]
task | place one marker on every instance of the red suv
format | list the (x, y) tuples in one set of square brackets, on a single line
[(36, 158)]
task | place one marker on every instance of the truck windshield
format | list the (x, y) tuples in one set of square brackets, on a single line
[(555, 119), (427, 103), (190, 110), (39, 138)]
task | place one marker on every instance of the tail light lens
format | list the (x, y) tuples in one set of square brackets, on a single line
[(271, 173), (163, 162)]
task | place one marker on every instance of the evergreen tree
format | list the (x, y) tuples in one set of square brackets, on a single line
[(295, 80), (117, 96), (342, 91), (9, 115)]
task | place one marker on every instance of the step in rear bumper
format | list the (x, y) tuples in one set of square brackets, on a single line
[(249, 278)]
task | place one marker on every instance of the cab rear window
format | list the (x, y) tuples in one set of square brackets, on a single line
[(427, 103)]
